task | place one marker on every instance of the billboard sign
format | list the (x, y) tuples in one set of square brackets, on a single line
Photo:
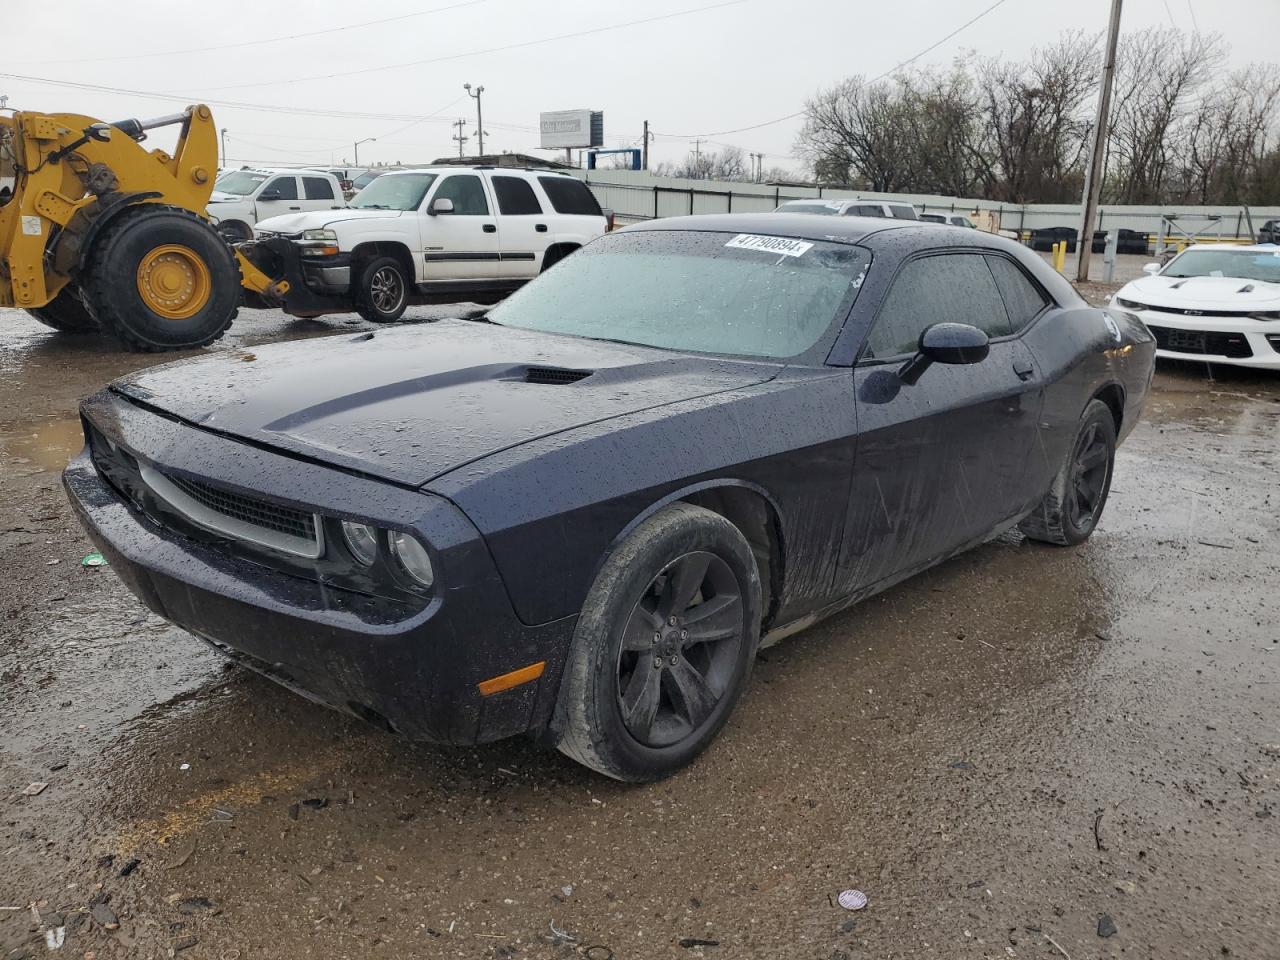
[(571, 128)]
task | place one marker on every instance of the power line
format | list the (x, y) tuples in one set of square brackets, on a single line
[(474, 53), (798, 113), (241, 104), (1195, 25), (254, 43)]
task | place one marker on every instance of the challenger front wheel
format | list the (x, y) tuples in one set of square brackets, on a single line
[(663, 647)]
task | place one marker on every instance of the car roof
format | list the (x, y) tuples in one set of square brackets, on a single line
[(803, 226), (1258, 247), (455, 167)]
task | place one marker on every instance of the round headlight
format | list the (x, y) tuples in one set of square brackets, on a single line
[(361, 540), (413, 558)]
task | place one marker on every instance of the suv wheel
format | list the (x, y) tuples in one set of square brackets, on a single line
[(382, 290)]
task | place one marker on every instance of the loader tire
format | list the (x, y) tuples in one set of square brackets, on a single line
[(67, 313), (161, 278)]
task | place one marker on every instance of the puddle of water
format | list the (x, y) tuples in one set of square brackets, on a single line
[(50, 444)]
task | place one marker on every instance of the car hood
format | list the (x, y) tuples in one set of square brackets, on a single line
[(411, 404), (315, 219), (1218, 293)]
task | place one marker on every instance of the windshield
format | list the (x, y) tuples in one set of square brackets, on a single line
[(743, 295), (394, 192), (365, 179), (826, 209), (1239, 264), (240, 182)]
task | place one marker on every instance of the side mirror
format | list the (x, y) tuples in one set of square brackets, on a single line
[(443, 205), (950, 343), (269, 195), (1151, 268)]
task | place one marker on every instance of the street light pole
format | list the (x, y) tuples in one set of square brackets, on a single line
[(224, 143), (356, 161), (479, 115), (1093, 172)]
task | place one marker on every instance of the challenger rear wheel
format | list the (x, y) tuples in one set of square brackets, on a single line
[(67, 313), (663, 646), (1073, 506), (161, 278)]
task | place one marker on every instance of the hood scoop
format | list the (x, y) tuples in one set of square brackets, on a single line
[(555, 376)]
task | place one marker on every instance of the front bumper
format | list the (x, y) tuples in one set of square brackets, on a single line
[(411, 667), (317, 285), (1241, 341)]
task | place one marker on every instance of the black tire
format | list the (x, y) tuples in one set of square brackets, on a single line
[(624, 644), (67, 313), (382, 290), (113, 285), (235, 231), (1073, 506)]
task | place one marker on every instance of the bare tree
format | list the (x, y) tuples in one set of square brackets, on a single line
[(862, 129), (1033, 121), (1159, 73)]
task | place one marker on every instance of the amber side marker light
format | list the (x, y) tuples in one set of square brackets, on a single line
[(513, 679)]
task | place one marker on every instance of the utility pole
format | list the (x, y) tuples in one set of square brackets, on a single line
[(460, 136), (644, 154), (224, 138), (1094, 172), (356, 161), (479, 116)]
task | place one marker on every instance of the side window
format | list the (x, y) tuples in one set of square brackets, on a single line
[(317, 188), (515, 197), (950, 288), (287, 187), (568, 195), (467, 193), (1023, 299), (870, 210)]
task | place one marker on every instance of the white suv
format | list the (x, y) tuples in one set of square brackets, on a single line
[(243, 197), (432, 235)]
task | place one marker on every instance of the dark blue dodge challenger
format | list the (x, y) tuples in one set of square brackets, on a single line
[(582, 514)]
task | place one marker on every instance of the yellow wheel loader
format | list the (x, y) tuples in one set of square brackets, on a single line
[(98, 233)]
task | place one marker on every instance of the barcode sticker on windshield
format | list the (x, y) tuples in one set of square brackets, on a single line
[(782, 245)]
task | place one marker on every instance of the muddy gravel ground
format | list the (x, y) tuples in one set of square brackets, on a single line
[(1027, 752)]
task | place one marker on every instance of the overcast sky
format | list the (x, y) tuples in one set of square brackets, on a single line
[(705, 67)]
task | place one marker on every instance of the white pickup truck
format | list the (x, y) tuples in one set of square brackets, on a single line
[(431, 235), (241, 198)]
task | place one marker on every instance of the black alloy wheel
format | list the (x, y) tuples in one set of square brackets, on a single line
[(679, 649), (663, 646), (1090, 473)]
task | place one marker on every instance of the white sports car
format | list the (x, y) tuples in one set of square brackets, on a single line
[(1216, 303)]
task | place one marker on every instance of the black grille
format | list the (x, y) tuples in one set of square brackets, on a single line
[(1233, 345), (295, 523), (1274, 340), (1184, 311), (554, 375)]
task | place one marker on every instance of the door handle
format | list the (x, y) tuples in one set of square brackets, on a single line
[(490, 228), (1023, 369), (540, 227), (295, 208)]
